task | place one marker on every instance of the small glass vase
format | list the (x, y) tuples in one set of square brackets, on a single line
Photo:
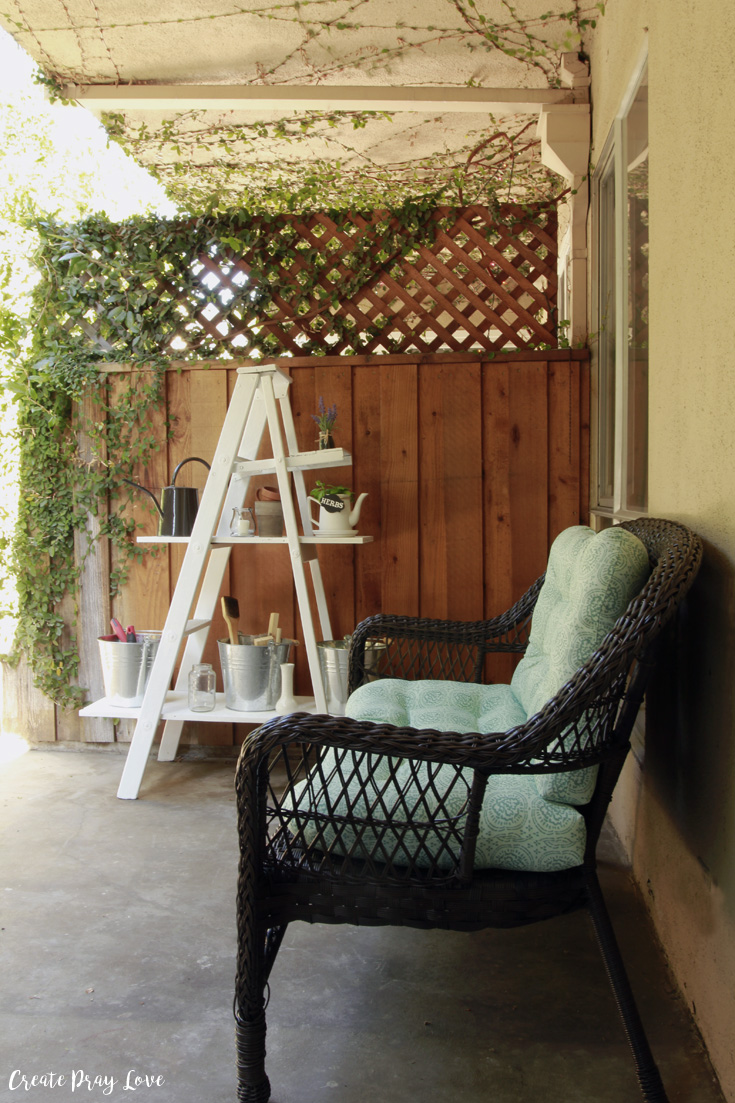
[(202, 688), (325, 439)]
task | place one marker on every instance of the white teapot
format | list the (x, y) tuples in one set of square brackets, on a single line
[(335, 516)]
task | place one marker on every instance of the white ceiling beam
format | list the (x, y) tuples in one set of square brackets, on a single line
[(229, 97)]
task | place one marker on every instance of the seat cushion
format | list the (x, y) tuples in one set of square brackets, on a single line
[(438, 705), (518, 830)]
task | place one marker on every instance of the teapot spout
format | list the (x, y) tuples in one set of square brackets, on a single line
[(355, 514)]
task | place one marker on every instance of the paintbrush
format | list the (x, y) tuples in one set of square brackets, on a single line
[(231, 613)]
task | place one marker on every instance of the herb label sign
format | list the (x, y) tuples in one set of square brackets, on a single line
[(331, 503)]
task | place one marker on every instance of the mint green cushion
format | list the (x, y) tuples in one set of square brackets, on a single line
[(441, 706), (518, 830), (590, 580), (528, 822)]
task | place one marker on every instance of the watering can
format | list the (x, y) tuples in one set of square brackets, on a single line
[(335, 516), (179, 504)]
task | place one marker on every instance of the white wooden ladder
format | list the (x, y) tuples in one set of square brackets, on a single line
[(258, 393)]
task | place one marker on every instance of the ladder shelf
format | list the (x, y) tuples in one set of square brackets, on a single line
[(254, 407)]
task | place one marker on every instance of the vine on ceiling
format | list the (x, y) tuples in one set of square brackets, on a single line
[(214, 160)]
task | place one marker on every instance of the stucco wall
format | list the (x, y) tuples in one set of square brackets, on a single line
[(677, 817)]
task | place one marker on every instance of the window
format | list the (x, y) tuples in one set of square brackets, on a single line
[(621, 310)]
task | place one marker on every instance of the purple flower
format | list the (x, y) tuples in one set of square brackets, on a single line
[(326, 417)]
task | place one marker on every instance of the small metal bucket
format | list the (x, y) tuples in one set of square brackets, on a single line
[(333, 661), (126, 667), (334, 658), (252, 674)]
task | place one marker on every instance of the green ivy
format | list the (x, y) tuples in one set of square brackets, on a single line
[(110, 295)]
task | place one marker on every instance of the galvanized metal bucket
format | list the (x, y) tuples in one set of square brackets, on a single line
[(334, 658), (333, 662), (252, 674), (126, 667)]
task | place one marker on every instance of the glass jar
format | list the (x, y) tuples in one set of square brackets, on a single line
[(202, 687)]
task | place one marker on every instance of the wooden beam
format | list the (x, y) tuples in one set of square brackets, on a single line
[(290, 98)]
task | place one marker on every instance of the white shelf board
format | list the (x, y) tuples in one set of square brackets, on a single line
[(223, 541), (176, 708), (300, 461)]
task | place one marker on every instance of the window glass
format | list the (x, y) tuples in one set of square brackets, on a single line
[(606, 334), (636, 145), (621, 194)]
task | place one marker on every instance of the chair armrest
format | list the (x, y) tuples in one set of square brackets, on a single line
[(528, 748), (390, 646)]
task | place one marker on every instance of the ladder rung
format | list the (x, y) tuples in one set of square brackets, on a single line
[(194, 626)]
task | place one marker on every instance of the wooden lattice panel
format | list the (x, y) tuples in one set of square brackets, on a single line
[(484, 285)]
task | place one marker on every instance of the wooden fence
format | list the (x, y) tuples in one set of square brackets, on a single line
[(471, 467)]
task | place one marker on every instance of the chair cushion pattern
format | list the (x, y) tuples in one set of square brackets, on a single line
[(528, 822), (518, 829), (590, 580), (437, 705)]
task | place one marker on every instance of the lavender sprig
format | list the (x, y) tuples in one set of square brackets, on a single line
[(326, 417)]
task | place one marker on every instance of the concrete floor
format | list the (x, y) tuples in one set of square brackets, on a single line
[(117, 962)]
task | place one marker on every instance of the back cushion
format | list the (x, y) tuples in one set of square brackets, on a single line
[(590, 580)]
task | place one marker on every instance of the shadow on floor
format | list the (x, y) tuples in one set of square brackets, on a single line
[(118, 945)]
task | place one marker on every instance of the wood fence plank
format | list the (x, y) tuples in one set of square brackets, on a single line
[(399, 499), (463, 490), (27, 712), (528, 473), (564, 443), (434, 597), (366, 470), (496, 477), (585, 490)]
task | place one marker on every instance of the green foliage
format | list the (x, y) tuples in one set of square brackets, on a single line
[(51, 159), (320, 490), (111, 293)]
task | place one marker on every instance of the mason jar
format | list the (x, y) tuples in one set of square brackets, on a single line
[(202, 688)]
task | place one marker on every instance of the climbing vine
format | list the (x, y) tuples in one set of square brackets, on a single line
[(216, 159), (112, 293)]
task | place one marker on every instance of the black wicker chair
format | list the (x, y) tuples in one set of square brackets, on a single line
[(369, 866)]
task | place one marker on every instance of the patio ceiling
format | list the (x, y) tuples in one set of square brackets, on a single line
[(377, 98)]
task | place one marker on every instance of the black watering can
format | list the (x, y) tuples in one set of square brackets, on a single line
[(179, 504)]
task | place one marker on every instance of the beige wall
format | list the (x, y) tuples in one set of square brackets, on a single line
[(678, 817)]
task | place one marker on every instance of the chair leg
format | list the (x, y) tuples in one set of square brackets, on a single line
[(253, 1085), (257, 954), (649, 1077)]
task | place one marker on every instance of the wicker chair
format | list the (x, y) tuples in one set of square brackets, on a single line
[(321, 860)]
